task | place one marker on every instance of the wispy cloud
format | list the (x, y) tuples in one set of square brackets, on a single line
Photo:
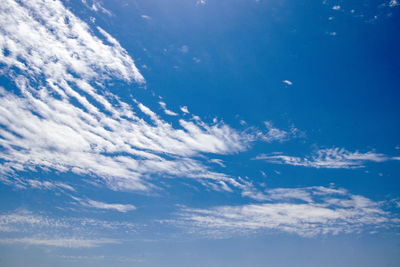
[(59, 242), (167, 111), (303, 211), (25, 227), (24, 183), (219, 162), (22, 221), (25, 221), (105, 206), (201, 2), (333, 158), (64, 119), (274, 134), (96, 6)]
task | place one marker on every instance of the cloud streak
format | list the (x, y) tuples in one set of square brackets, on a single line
[(105, 206), (27, 228), (332, 158), (59, 242), (306, 212)]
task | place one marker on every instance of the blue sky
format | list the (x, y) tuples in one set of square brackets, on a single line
[(199, 133)]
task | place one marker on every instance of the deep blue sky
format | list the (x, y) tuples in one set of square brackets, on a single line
[(199, 133)]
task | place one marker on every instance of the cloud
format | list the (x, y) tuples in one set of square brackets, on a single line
[(167, 111), (336, 7), (59, 242), (106, 206), (24, 183), (393, 3), (287, 82), (201, 2), (306, 212), (48, 185), (96, 6), (57, 114), (196, 60), (332, 158), (274, 134), (184, 109), (27, 228), (64, 119), (219, 162), (21, 221)]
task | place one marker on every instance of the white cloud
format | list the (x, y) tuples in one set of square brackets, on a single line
[(48, 185), (219, 162), (337, 7), (273, 133), (287, 82), (106, 206), (167, 111), (23, 221), (65, 120), (303, 211), (184, 109), (196, 60), (59, 242), (201, 2), (24, 183), (27, 228), (249, 190), (393, 3), (333, 158), (96, 6)]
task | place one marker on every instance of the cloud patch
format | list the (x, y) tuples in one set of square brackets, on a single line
[(306, 212), (167, 111), (287, 82), (27, 228), (331, 158)]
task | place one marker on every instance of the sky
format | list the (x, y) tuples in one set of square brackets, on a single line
[(199, 133)]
